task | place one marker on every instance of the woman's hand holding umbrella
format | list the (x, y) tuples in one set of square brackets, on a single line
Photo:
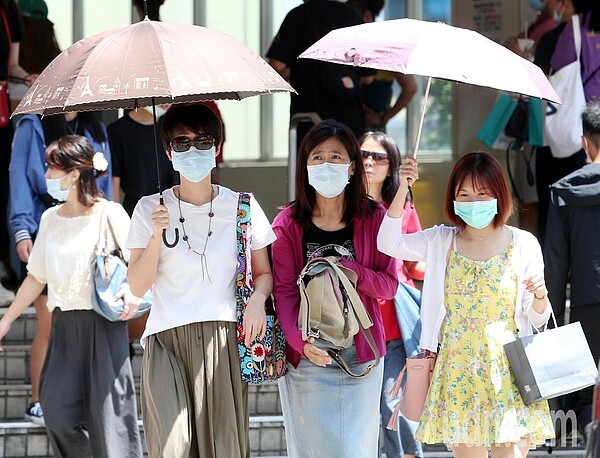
[(160, 221), (409, 173)]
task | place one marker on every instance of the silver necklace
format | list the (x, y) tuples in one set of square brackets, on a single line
[(186, 239), (476, 237), (73, 131)]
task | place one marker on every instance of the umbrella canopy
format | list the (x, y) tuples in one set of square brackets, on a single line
[(435, 50), (150, 62)]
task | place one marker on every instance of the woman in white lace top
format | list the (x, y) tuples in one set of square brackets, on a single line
[(87, 389)]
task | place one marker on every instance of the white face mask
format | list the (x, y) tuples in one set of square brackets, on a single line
[(195, 164), (328, 179), (54, 189)]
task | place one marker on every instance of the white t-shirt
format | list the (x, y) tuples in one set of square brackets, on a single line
[(64, 251), (182, 291)]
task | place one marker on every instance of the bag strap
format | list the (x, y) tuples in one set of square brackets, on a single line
[(102, 243), (113, 234), (244, 239), (103, 231), (364, 320), (576, 35), (336, 356)]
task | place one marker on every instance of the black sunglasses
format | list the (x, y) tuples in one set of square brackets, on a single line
[(377, 157), (183, 144)]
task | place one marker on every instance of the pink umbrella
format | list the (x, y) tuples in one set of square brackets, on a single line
[(433, 49)]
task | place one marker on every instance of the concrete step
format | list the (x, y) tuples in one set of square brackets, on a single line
[(263, 400), (14, 363), (25, 439), (267, 438), (23, 329)]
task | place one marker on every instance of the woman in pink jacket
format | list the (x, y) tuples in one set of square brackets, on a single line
[(331, 216)]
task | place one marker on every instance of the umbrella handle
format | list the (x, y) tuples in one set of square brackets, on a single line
[(167, 244), (164, 234)]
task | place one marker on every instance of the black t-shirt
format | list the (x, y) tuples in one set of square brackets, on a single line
[(319, 243), (546, 46), (330, 90), (134, 161), (15, 37)]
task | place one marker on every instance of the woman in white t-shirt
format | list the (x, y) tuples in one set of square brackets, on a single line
[(193, 400), (87, 389)]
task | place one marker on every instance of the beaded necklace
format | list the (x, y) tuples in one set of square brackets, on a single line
[(186, 239)]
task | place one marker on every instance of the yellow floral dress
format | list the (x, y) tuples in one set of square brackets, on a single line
[(474, 398)]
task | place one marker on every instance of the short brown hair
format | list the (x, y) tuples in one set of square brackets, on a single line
[(484, 171), (194, 117)]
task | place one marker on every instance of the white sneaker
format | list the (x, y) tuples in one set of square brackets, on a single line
[(6, 296), (35, 414)]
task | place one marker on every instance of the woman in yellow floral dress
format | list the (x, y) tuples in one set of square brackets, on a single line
[(484, 287)]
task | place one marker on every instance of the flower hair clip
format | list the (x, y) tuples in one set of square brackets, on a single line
[(100, 163)]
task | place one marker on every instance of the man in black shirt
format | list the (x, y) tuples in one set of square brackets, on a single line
[(549, 169), (133, 158), (330, 90)]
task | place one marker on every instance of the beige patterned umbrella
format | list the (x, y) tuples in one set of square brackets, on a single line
[(150, 62)]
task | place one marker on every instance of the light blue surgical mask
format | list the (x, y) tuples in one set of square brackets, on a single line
[(558, 17), (159, 110), (195, 164), (328, 179), (53, 188), (478, 214), (537, 5)]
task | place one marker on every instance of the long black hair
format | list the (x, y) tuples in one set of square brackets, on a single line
[(355, 193), (392, 181)]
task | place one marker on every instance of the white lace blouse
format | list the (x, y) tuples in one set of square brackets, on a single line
[(64, 251)]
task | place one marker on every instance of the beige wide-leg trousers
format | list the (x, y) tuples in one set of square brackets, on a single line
[(194, 403)]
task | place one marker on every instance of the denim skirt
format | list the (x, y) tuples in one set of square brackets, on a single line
[(328, 413)]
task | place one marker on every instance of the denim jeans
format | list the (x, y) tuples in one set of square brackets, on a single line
[(397, 443), (328, 413)]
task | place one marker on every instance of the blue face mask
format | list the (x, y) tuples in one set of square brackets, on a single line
[(53, 188), (195, 164), (537, 5), (558, 17), (478, 214)]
